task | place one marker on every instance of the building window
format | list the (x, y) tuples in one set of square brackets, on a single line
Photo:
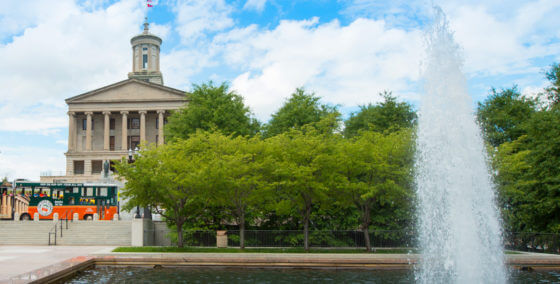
[(112, 143), (112, 123), (133, 142), (145, 61), (84, 124), (133, 123), (96, 166), (78, 167), (112, 166)]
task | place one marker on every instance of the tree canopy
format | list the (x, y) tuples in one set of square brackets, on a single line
[(503, 114), (212, 107), (300, 109), (169, 179), (553, 91), (525, 154), (388, 115)]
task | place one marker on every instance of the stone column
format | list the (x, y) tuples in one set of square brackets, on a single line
[(142, 125), (160, 126), (88, 130), (124, 130), (106, 130), (71, 131)]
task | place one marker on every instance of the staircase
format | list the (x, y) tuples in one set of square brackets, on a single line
[(90, 233), (110, 233), (25, 233)]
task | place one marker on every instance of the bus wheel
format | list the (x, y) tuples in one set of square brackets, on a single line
[(88, 217), (25, 217)]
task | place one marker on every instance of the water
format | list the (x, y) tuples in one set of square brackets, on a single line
[(458, 222), (107, 274)]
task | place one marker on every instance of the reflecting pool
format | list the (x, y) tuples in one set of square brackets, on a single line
[(109, 274)]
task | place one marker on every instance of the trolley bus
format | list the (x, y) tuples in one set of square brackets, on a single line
[(66, 199)]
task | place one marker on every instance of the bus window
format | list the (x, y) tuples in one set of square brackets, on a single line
[(103, 191), (89, 191), (76, 190)]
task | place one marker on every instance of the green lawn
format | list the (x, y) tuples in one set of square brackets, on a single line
[(254, 250)]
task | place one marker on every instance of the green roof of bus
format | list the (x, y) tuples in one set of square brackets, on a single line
[(46, 184)]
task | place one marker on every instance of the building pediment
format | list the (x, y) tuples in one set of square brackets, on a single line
[(130, 91)]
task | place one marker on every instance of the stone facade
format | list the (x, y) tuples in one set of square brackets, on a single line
[(104, 124)]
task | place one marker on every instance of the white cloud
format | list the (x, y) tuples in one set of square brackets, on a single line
[(506, 40), (70, 52), (346, 65), (256, 5), (52, 50), (29, 162), (196, 18), (161, 31), (496, 38)]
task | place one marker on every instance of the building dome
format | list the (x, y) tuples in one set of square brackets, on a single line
[(145, 57)]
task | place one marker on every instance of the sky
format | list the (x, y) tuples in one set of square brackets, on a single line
[(345, 51)]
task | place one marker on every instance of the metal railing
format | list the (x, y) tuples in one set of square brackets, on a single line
[(341, 239), (54, 230), (52, 173), (532, 242), (291, 238), (519, 241)]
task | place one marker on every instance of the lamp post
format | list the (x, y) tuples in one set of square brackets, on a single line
[(147, 213)]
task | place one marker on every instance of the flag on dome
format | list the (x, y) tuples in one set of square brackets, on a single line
[(149, 3)]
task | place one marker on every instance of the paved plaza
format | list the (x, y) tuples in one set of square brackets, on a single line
[(16, 260)]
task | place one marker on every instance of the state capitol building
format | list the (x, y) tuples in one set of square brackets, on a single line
[(104, 124)]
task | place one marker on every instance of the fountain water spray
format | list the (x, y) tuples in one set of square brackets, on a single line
[(459, 226)]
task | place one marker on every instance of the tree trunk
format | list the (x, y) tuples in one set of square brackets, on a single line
[(306, 228), (180, 234), (242, 230), (365, 226)]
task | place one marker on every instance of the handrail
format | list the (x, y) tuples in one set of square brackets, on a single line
[(55, 227)]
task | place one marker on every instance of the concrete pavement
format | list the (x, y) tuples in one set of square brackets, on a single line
[(16, 260)]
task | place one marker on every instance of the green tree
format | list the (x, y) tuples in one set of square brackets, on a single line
[(513, 179), (553, 91), (300, 109), (240, 169), (503, 114), (212, 107), (171, 179), (377, 172), (304, 170), (388, 115), (544, 143)]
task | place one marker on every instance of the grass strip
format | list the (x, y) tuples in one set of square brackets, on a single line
[(257, 250)]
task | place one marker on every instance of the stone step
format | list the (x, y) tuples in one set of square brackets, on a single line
[(78, 233)]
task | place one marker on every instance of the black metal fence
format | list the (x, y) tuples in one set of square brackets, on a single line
[(294, 238), (200, 238), (533, 242), (519, 241)]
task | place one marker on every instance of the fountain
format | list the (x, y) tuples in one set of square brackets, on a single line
[(458, 222)]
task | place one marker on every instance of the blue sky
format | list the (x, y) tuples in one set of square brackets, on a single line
[(344, 51)]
